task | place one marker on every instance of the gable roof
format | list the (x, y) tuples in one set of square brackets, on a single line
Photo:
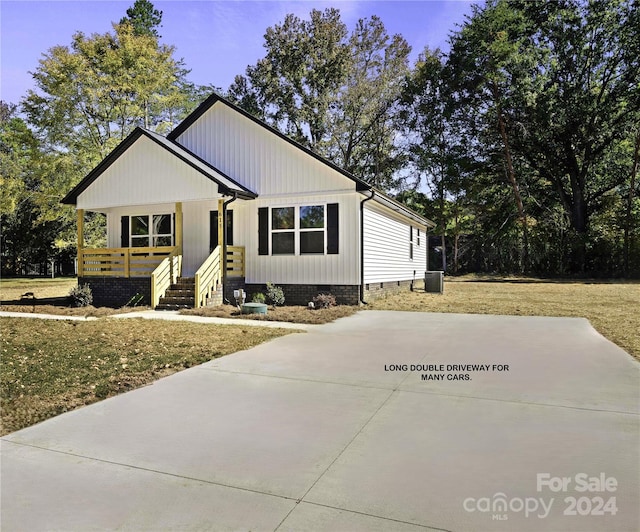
[(361, 185), (226, 185), (215, 98)]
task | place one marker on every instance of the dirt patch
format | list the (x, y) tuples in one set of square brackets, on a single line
[(290, 314)]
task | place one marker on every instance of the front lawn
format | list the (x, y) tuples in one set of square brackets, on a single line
[(42, 295), (51, 366)]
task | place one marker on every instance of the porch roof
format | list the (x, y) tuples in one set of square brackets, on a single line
[(227, 186)]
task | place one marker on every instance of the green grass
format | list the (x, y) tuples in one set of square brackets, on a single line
[(50, 366)]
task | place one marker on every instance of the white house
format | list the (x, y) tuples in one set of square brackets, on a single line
[(224, 202)]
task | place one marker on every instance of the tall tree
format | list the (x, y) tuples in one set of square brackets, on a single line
[(93, 94), (28, 234), (331, 91), (295, 83), (589, 96), (489, 63), (89, 96), (362, 131), (144, 18), (424, 116)]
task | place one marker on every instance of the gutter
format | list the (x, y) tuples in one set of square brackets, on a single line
[(373, 193), (224, 242)]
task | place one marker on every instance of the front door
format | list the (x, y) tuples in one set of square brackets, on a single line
[(213, 229)]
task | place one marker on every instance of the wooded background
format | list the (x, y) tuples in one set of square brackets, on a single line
[(522, 142)]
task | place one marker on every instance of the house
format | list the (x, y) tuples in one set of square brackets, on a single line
[(226, 202)]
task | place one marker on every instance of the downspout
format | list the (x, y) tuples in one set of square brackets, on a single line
[(373, 193), (224, 242)]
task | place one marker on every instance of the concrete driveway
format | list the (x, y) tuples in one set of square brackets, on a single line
[(332, 430)]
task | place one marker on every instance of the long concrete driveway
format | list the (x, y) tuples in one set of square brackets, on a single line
[(534, 425)]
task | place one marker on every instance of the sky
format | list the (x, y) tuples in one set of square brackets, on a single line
[(216, 39)]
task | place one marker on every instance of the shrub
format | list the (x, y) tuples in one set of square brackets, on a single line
[(275, 294), (80, 296), (258, 297), (324, 301)]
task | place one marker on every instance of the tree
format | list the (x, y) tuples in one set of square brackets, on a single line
[(144, 18), (332, 92), (423, 113), (87, 98), (28, 234), (548, 95), (362, 128), (489, 62), (295, 83), (588, 97), (92, 95)]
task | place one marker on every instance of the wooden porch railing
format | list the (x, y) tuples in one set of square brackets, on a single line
[(207, 278), (235, 261), (121, 262), (164, 276)]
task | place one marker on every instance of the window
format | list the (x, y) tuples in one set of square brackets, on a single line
[(312, 229), (411, 242), (152, 230), (283, 231), (301, 230)]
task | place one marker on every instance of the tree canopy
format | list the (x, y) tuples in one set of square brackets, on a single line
[(522, 141)]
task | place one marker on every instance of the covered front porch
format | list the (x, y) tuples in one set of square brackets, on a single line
[(154, 274)]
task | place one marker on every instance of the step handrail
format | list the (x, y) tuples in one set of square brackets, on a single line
[(165, 274), (207, 278)]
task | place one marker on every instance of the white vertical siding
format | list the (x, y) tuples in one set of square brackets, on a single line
[(386, 247), (341, 268), (146, 174), (195, 219), (257, 158)]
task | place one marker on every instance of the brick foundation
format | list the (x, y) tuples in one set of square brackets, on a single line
[(374, 291), (231, 284), (117, 291), (301, 294)]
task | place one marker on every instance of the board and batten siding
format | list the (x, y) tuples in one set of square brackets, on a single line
[(341, 268), (146, 174), (258, 158), (387, 247)]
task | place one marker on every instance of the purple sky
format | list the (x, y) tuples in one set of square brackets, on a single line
[(217, 39)]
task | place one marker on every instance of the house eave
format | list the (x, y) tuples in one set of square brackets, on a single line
[(200, 165), (383, 199)]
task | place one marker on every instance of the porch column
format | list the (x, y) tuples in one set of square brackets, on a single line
[(220, 222), (179, 226), (80, 214), (222, 243)]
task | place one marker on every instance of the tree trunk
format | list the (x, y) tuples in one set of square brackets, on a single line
[(516, 192), (628, 226)]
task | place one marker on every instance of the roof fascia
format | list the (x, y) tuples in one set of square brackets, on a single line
[(72, 197), (174, 147), (383, 199)]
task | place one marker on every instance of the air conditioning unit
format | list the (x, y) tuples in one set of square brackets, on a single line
[(434, 282)]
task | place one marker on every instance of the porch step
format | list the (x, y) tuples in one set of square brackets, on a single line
[(179, 295), (182, 295)]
